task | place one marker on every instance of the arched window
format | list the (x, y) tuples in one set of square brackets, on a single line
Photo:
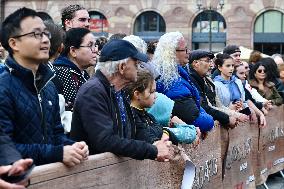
[(209, 31), (269, 32), (98, 24), (149, 26)]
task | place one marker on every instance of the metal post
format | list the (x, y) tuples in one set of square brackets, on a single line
[(281, 172), (265, 185), (210, 30)]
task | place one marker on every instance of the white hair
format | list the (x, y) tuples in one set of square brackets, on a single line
[(139, 43), (109, 67), (164, 58)]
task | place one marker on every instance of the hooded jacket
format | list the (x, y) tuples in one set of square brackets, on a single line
[(29, 113), (224, 91), (97, 120), (71, 77)]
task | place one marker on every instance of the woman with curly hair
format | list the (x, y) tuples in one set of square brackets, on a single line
[(170, 56), (259, 80)]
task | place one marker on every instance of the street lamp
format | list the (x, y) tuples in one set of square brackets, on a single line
[(210, 10)]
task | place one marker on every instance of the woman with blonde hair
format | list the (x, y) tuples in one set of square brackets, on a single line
[(170, 56)]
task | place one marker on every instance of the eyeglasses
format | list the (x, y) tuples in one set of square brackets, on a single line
[(186, 50), (205, 60), (261, 71), (92, 46), (37, 35)]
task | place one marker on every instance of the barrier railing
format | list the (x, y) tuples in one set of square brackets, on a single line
[(244, 156)]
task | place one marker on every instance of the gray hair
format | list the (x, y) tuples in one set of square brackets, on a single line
[(276, 55), (139, 43), (109, 68)]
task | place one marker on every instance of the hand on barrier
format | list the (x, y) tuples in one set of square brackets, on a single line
[(243, 118), (252, 116), (232, 122), (262, 121), (72, 155), (165, 150), (198, 136), (84, 149), (268, 104)]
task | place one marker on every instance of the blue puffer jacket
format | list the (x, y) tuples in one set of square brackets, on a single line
[(2, 68), (187, 101), (182, 87), (29, 113)]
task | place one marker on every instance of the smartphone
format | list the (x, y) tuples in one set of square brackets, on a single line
[(18, 178), (245, 111)]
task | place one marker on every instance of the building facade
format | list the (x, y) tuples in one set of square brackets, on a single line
[(206, 24)]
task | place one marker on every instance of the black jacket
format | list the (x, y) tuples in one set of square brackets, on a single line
[(96, 120), (205, 91), (147, 128)]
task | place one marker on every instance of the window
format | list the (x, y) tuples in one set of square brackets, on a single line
[(149, 26), (209, 31), (98, 24), (269, 32)]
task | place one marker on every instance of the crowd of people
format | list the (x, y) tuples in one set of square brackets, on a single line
[(66, 94)]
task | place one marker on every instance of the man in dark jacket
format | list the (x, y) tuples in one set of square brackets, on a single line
[(102, 115), (29, 111), (198, 66)]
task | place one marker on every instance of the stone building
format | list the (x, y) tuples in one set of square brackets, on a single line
[(257, 24)]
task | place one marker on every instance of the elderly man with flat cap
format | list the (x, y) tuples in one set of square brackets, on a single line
[(102, 115), (198, 66)]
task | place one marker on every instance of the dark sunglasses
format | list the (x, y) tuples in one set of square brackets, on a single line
[(261, 71)]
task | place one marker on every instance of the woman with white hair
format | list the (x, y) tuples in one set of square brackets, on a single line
[(170, 56)]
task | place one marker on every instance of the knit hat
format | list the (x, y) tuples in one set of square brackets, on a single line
[(231, 49), (162, 109)]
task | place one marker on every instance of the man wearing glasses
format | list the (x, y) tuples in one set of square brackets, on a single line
[(75, 16), (199, 64), (29, 111)]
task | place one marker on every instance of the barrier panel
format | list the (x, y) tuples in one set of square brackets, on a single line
[(249, 155), (271, 145), (237, 147), (207, 159)]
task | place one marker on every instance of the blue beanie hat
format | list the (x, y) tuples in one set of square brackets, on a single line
[(162, 109), (204, 121)]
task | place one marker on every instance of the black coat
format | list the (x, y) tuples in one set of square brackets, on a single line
[(96, 120), (147, 128), (205, 91)]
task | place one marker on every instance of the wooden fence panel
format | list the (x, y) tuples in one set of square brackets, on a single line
[(252, 155), (271, 150), (238, 166), (207, 159)]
